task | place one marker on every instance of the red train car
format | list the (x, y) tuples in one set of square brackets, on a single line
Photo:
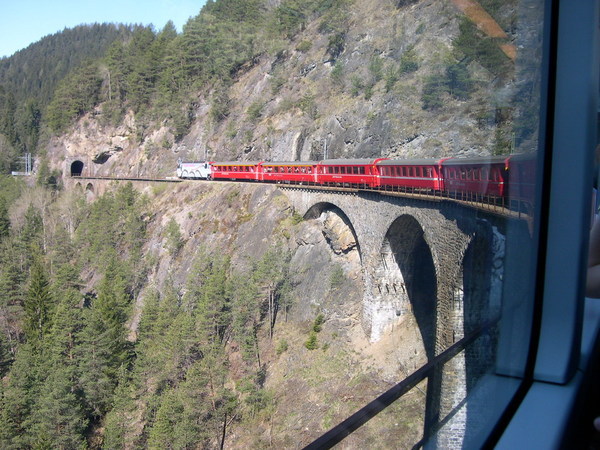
[(348, 172), (236, 170), (522, 178), (298, 172), (411, 175), (476, 178)]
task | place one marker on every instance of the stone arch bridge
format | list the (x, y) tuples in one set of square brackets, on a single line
[(431, 256), (442, 262)]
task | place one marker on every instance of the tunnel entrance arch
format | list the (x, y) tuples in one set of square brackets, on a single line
[(76, 168)]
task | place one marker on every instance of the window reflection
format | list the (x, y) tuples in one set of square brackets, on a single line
[(473, 312)]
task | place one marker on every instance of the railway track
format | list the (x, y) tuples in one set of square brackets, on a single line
[(486, 206), (159, 180)]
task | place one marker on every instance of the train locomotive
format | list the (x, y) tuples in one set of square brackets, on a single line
[(506, 180)]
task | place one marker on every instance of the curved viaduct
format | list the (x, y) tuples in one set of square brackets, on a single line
[(438, 260), (417, 255)]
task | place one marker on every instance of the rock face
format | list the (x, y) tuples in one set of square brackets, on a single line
[(337, 233)]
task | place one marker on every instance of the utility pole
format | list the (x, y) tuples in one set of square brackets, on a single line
[(26, 162)]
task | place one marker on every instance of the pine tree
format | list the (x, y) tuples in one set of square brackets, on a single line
[(104, 347), (12, 293), (38, 305), (207, 297), (58, 419), (24, 384), (4, 219)]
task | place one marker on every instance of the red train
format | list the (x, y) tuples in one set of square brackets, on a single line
[(505, 180)]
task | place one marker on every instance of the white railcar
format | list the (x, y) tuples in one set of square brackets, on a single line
[(193, 170)]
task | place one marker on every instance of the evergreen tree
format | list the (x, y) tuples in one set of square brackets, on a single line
[(12, 293), (38, 305), (20, 393), (104, 347), (58, 419), (206, 297), (433, 90), (459, 81), (75, 95), (4, 219), (31, 235)]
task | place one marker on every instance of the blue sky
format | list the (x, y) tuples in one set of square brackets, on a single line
[(23, 22)]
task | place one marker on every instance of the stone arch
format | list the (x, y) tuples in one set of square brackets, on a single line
[(318, 210), (480, 302), (411, 277), (407, 261), (76, 168), (89, 191)]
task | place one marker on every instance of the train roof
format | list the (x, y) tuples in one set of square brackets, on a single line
[(411, 162), (479, 160), (349, 162), (290, 163), (236, 163)]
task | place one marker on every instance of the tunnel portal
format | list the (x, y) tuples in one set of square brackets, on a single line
[(76, 168)]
